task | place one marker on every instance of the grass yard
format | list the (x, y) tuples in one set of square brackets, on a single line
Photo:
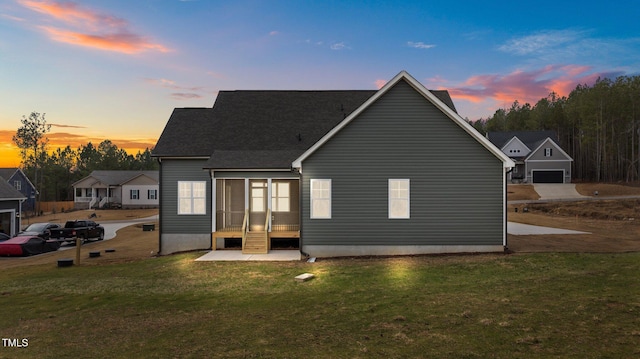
[(557, 296), (476, 306)]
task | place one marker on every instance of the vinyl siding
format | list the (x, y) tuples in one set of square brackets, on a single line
[(172, 171), (556, 153), (457, 194)]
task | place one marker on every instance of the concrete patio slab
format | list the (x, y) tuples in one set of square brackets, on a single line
[(236, 255), (527, 229)]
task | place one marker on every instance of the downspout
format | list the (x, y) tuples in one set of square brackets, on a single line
[(19, 215), (506, 211), (160, 207), (300, 202)]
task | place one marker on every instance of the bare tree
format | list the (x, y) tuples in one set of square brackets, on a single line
[(32, 141)]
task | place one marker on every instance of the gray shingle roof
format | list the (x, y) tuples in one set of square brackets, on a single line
[(6, 173), (531, 139), (259, 129), (116, 178), (7, 192)]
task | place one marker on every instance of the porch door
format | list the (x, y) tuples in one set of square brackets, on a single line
[(257, 204)]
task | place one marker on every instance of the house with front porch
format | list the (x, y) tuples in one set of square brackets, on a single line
[(337, 173), (117, 189)]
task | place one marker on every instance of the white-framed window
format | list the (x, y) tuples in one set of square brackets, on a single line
[(280, 196), (320, 199), (152, 194), (192, 197), (399, 199), (548, 152), (17, 185), (134, 194)]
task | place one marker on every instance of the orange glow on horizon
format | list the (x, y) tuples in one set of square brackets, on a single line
[(10, 153)]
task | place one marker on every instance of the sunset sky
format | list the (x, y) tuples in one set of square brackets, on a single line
[(116, 69)]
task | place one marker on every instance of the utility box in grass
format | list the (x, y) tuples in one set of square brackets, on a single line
[(148, 227)]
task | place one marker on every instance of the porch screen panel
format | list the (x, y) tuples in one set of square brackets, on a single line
[(229, 204), (281, 196), (285, 198)]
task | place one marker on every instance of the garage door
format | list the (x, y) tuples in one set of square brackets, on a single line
[(548, 176)]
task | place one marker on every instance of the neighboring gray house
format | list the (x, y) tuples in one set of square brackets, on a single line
[(126, 189), (19, 180), (11, 201), (537, 155), (340, 173)]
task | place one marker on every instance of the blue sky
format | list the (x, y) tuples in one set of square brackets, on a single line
[(116, 69)]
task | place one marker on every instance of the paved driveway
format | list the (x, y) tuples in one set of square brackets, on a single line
[(557, 191), (527, 229), (110, 227)]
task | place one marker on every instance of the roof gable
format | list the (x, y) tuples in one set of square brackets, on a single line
[(11, 173), (8, 193), (515, 148), (530, 138), (544, 144), (435, 100)]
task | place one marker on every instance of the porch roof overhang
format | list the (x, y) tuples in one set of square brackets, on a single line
[(252, 159)]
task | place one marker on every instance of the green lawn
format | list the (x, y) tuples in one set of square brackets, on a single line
[(484, 306)]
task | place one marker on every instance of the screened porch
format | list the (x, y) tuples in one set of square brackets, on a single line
[(270, 205)]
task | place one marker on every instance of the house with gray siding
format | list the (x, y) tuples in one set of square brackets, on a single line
[(11, 210), (333, 173), (538, 157), (19, 180)]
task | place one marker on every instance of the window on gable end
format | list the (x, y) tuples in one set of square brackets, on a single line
[(320, 207), (399, 199), (548, 152)]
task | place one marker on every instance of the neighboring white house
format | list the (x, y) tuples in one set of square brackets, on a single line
[(126, 189)]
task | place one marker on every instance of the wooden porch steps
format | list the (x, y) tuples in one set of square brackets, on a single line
[(256, 243)]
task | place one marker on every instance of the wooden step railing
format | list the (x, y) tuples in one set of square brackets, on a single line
[(245, 226), (256, 242)]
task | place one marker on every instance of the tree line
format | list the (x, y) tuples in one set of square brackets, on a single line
[(53, 172), (598, 126)]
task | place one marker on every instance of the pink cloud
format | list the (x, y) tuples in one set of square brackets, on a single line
[(88, 28), (119, 42), (71, 13), (524, 86), (380, 83)]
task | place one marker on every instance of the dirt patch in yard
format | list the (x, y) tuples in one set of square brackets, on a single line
[(609, 189), (613, 225), (95, 215), (519, 192)]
